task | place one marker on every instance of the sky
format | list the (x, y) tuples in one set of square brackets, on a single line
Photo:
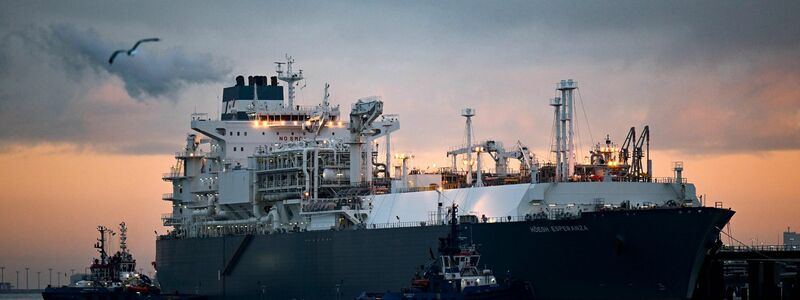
[(84, 143)]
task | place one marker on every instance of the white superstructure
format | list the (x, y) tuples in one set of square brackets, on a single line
[(268, 164)]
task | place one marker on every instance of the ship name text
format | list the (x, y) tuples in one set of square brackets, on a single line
[(560, 228), (290, 138)]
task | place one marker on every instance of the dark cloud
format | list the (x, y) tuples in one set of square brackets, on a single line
[(152, 72), (681, 30), (697, 72), (56, 87)]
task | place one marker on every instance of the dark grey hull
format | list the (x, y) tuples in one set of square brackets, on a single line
[(637, 254)]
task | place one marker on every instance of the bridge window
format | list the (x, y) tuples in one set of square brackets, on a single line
[(237, 133), (241, 148)]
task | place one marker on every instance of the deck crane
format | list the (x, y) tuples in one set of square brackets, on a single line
[(501, 156), (624, 150), (640, 149), (527, 161)]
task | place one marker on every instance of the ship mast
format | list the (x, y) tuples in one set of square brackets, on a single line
[(556, 104), (388, 153), (469, 113), (100, 245), (290, 78), (123, 237)]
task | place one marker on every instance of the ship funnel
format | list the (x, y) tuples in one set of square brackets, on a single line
[(239, 80)]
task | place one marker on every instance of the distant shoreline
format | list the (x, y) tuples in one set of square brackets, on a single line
[(31, 291)]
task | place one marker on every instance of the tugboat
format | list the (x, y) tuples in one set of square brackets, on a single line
[(456, 275), (112, 277)]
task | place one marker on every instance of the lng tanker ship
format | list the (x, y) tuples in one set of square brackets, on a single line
[(277, 200)]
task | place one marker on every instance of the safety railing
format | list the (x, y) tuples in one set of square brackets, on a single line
[(667, 180), (415, 189), (185, 154), (171, 175), (170, 219), (262, 228), (400, 224), (760, 248)]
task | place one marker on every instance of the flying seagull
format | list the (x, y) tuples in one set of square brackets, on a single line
[(131, 51)]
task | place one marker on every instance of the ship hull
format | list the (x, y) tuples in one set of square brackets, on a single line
[(626, 254)]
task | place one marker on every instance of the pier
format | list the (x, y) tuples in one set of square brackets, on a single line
[(751, 273)]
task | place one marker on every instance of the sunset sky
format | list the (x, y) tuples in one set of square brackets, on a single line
[(84, 143)]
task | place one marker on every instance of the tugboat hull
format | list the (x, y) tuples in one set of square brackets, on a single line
[(98, 293)]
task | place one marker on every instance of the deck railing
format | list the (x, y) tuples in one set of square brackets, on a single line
[(172, 175), (261, 228), (760, 248)]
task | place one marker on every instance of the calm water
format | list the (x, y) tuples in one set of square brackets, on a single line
[(21, 296)]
